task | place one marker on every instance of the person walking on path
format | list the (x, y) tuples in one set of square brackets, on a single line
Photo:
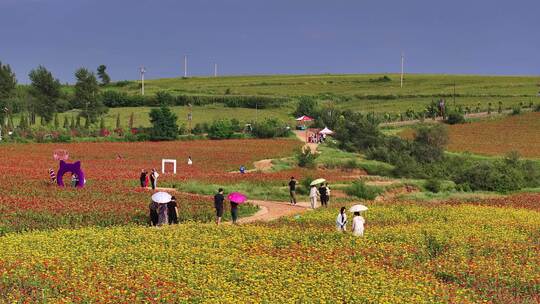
[(218, 204), (292, 190), (163, 214), (172, 208), (323, 190), (234, 212), (313, 194), (341, 220), (153, 213), (142, 178), (358, 224)]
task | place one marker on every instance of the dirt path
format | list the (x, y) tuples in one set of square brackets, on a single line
[(263, 165), (269, 210), (301, 134)]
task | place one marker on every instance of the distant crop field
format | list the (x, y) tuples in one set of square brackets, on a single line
[(519, 133)]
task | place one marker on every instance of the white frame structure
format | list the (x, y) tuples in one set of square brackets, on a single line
[(164, 161)]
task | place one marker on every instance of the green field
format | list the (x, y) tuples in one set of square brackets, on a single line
[(360, 92)]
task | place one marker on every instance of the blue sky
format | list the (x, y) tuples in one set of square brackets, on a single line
[(270, 37)]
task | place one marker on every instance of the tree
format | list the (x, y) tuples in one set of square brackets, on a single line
[(87, 95), (23, 123), (103, 76), (220, 129), (46, 91), (66, 122), (164, 126), (429, 143), (131, 120), (118, 124), (307, 106), (8, 82), (56, 121), (72, 124), (102, 124)]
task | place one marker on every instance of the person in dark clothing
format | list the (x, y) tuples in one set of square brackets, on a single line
[(234, 212), (218, 204), (323, 190), (142, 178), (152, 180), (173, 211), (153, 213), (292, 190)]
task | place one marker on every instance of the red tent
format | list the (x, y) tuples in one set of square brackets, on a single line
[(304, 118)]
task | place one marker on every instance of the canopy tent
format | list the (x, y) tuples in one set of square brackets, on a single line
[(304, 118), (326, 131)]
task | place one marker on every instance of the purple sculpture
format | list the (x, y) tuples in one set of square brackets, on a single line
[(74, 168)]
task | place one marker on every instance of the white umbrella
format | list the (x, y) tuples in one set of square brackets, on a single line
[(317, 181), (358, 208), (161, 197), (326, 131)]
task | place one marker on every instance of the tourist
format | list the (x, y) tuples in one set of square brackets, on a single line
[(292, 190), (163, 214), (173, 211), (242, 169), (218, 204), (153, 213), (341, 220), (313, 194), (147, 179), (323, 191), (74, 180), (153, 178), (358, 224), (189, 161), (142, 178), (234, 212)]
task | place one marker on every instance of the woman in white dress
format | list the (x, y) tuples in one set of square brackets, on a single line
[(341, 220), (313, 194), (358, 224)]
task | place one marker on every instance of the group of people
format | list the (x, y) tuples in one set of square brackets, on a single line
[(163, 214), (219, 200), (74, 178), (151, 178), (323, 192), (357, 222), (316, 138)]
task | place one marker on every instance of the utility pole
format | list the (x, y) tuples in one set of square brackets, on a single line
[(185, 66), (402, 63), (215, 69), (143, 70)]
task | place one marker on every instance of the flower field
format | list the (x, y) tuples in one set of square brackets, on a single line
[(411, 253), (497, 137), (111, 197)]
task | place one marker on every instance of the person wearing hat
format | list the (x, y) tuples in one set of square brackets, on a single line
[(358, 224), (218, 204)]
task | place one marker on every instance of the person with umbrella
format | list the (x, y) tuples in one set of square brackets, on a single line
[(162, 199), (358, 221), (218, 204), (236, 198), (314, 193)]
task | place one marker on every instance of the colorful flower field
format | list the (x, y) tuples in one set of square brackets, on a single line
[(411, 253)]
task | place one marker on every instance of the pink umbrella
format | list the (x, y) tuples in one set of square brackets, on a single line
[(237, 197)]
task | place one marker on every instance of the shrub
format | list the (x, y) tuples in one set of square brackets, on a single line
[(455, 118), (220, 129), (516, 110), (305, 184), (164, 125), (537, 107), (269, 128), (433, 185), (305, 158), (361, 190)]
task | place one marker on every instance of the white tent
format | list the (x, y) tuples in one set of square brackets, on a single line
[(326, 131)]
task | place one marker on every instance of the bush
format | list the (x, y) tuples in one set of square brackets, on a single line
[(455, 118), (537, 107), (270, 128), (305, 184), (433, 185), (516, 110), (361, 190), (220, 129), (305, 158)]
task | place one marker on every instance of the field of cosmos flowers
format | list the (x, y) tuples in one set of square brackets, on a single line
[(91, 245)]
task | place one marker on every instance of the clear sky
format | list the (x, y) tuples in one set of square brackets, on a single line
[(271, 36)]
